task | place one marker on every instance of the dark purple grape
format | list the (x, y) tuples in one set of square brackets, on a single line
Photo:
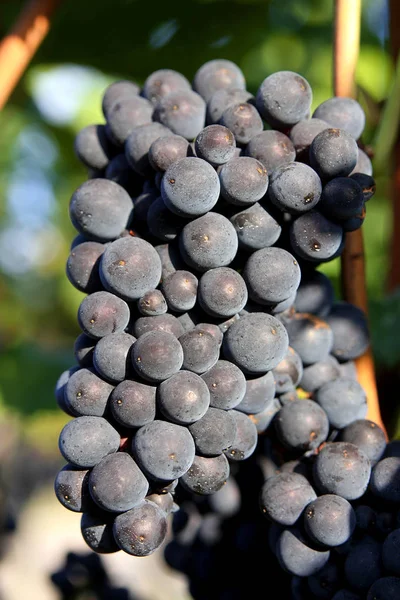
[(315, 294), (223, 99), (343, 400), (385, 479), (138, 144), (342, 198), (206, 475), (119, 171), (163, 501), (59, 390), (245, 440), (342, 113), (163, 450), (152, 304), (259, 393), (366, 183), (343, 469), (93, 148), (163, 82), (288, 372), (302, 425), (215, 144), (112, 358), (216, 75), (272, 275), (315, 238), (183, 398), (180, 291), (215, 330), (244, 180), (130, 267), (294, 188), (296, 556), (125, 114), (84, 441), (363, 565), (83, 350), (142, 204), (272, 149), (190, 187), (214, 432), (222, 292), (316, 375), (284, 496), (141, 530), (200, 350), (117, 484), (363, 164), (102, 313), (350, 331), (262, 420), (208, 242), (391, 552), (166, 322), (100, 209), (166, 150), (183, 111), (385, 588), (367, 436), (118, 91), (133, 404), (243, 120), (325, 582), (97, 531), (333, 153), (256, 228), (157, 355), (226, 384), (86, 394), (71, 488), (310, 336), (329, 520), (256, 343), (162, 223), (302, 135), (283, 99)]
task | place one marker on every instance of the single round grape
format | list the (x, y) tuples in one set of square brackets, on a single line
[(162, 223), (130, 267), (385, 588), (200, 350), (329, 520), (288, 372), (183, 111), (296, 556), (216, 75), (97, 531), (84, 441), (256, 343), (166, 150), (215, 144), (183, 398), (180, 290), (93, 148), (190, 187), (363, 164), (363, 565), (283, 99), (222, 292), (366, 183), (245, 440), (243, 120), (366, 435), (87, 394), (157, 355), (83, 350), (164, 450), (272, 149), (117, 484), (302, 135), (391, 552), (302, 425), (343, 469), (333, 153), (223, 99), (100, 209), (214, 432), (208, 242), (315, 238), (342, 113), (206, 475), (119, 171), (118, 91), (133, 404), (259, 393), (141, 530), (315, 294), (71, 488), (226, 384), (138, 144), (284, 496), (350, 331), (162, 82), (111, 356), (256, 228), (342, 198), (343, 400), (125, 114), (271, 275), (152, 304), (213, 329), (316, 375), (385, 481), (244, 180), (295, 188), (166, 322)]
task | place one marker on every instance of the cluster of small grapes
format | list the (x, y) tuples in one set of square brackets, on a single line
[(82, 576), (191, 228)]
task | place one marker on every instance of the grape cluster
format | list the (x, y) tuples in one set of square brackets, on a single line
[(199, 230)]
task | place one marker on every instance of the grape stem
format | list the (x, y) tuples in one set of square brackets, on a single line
[(20, 44), (345, 55)]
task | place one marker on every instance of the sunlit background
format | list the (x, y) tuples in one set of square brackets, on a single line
[(91, 44)]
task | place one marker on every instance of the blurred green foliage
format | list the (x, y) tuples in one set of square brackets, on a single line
[(130, 39)]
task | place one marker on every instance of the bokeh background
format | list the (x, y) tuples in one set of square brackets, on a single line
[(91, 44)]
